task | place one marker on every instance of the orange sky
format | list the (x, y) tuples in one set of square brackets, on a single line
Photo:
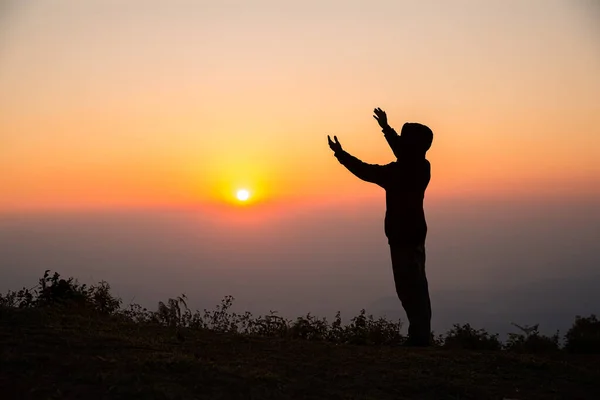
[(181, 103)]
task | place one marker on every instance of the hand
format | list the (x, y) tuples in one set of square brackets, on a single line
[(381, 117), (335, 146)]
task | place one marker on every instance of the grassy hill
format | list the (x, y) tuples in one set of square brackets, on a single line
[(50, 354), (63, 340)]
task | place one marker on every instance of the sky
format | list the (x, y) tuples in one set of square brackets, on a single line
[(112, 104), (121, 108)]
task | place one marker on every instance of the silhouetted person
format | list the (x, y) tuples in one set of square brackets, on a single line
[(405, 181)]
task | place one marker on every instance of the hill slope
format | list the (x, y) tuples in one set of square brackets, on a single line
[(45, 355)]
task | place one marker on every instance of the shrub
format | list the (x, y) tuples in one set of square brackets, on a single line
[(269, 325), (21, 299), (310, 328), (465, 337), (57, 291), (531, 341), (171, 314), (137, 314), (53, 291), (102, 300), (364, 329), (584, 336)]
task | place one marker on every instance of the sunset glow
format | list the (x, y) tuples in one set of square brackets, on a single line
[(104, 107)]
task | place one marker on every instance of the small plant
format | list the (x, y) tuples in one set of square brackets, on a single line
[(137, 314), (221, 320), (465, 337), (270, 325), (102, 300), (171, 314), (309, 328), (366, 330), (531, 341)]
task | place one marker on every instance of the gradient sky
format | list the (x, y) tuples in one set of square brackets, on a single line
[(127, 126), (111, 104)]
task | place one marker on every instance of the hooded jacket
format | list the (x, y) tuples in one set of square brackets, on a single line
[(404, 181)]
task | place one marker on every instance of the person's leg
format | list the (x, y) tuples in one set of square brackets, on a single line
[(401, 261), (422, 301), (408, 265)]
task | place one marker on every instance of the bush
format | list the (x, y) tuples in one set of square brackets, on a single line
[(310, 328), (584, 336), (53, 291), (365, 329), (531, 341), (101, 300), (465, 337)]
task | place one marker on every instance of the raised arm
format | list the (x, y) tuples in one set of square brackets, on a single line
[(389, 133), (372, 173)]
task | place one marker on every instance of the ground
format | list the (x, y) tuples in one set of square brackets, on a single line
[(64, 356)]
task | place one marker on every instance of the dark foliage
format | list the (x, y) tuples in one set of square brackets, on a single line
[(68, 295), (465, 337), (584, 336), (531, 341)]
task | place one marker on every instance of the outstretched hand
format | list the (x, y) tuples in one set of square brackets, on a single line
[(335, 146), (381, 117)]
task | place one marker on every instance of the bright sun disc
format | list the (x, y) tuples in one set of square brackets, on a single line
[(243, 195)]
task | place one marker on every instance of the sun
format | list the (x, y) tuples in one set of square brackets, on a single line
[(242, 195)]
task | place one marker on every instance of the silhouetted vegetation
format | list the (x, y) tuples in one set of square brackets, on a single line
[(465, 337), (584, 335), (363, 329), (531, 341)]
